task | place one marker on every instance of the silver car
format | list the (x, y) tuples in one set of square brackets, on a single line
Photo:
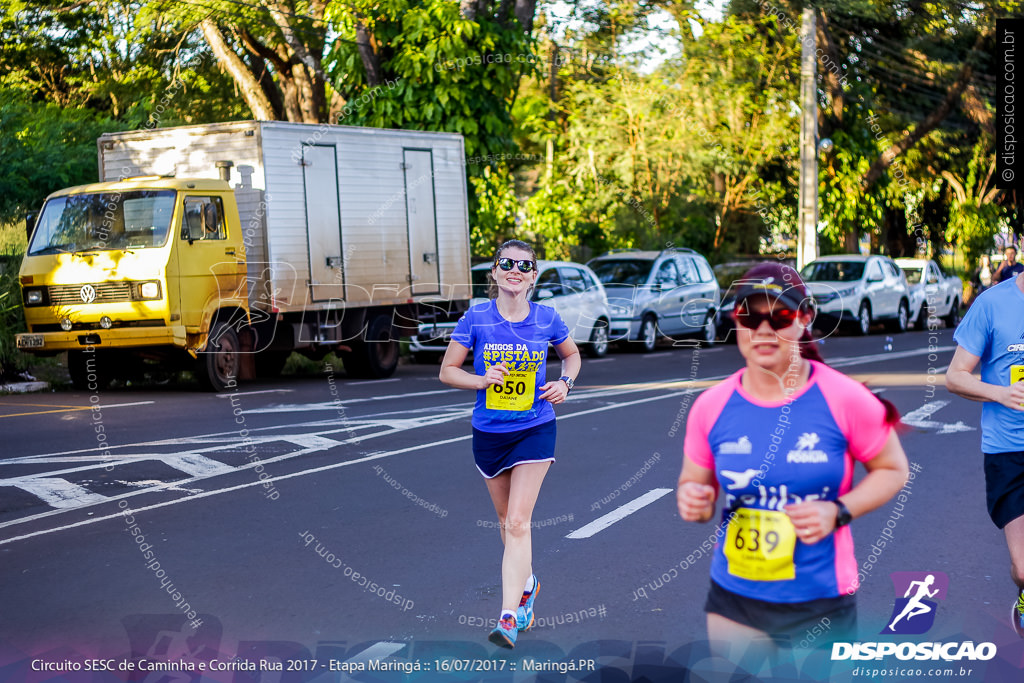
[(651, 294), (857, 291), (570, 288)]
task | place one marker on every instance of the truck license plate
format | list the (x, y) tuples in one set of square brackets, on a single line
[(29, 341)]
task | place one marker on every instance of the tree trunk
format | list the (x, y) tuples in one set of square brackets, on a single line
[(252, 92)]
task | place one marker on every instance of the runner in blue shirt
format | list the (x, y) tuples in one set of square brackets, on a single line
[(513, 421), (992, 335)]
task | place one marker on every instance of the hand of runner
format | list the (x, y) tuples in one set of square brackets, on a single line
[(696, 501), (814, 519), (1013, 396), (554, 392), (494, 375)]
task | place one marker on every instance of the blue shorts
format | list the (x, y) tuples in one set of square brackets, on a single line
[(496, 452)]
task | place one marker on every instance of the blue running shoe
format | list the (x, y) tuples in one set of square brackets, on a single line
[(1017, 615), (524, 615), (505, 634)]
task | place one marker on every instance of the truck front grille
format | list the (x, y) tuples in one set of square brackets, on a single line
[(106, 293)]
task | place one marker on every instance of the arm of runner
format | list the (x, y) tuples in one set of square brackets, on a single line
[(961, 381), (696, 492), (887, 473), (453, 375), (555, 392)]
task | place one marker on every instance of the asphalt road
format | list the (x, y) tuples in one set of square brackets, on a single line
[(328, 523)]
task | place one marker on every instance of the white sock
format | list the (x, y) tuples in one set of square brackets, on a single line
[(529, 585)]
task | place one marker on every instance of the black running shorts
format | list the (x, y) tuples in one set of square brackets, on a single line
[(790, 624), (495, 452), (1004, 486)]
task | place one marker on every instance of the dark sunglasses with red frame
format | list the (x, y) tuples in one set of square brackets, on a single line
[(779, 317)]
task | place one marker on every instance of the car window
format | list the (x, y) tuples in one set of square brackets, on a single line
[(481, 283), (549, 281), (913, 275), (704, 270), (589, 279), (572, 280), (688, 272), (622, 271), (939, 269), (875, 270), (893, 270), (833, 271), (933, 276), (668, 274)]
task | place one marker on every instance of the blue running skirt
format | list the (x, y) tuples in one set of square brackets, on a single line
[(496, 452)]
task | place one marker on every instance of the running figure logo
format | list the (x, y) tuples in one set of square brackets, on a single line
[(914, 612)]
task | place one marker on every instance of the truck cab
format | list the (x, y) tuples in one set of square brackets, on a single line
[(148, 263)]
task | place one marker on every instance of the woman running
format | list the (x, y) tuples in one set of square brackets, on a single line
[(780, 437), (513, 421)]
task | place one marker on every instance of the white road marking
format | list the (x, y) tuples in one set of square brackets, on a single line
[(253, 393), (375, 652), (919, 418), (58, 493), (599, 360), (373, 381), (619, 513), (196, 465), (660, 354), (888, 355), (312, 441), (335, 404)]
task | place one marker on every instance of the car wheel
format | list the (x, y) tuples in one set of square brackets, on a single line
[(922, 317), (648, 334), (598, 345), (709, 333), (953, 318), (863, 318), (902, 316)]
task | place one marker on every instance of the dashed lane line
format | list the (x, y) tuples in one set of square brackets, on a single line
[(618, 514)]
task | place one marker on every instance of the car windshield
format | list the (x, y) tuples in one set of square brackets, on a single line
[(833, 271), (913, 275), (139, 219), (622, 271), (481, 282)]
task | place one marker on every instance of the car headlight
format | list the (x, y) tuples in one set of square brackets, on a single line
[(148, 290), (846, 292), (34, 297)]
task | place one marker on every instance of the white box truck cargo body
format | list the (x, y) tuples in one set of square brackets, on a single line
[(333, 216)]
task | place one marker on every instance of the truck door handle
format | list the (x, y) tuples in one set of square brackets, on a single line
[(229, 252)]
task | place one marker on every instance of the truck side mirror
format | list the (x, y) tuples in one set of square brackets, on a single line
[(30, 223)]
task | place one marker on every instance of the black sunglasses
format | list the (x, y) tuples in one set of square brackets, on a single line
[(524, 266), (779, 318)]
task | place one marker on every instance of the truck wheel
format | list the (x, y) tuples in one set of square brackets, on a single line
[(220, 362), (89, 371), (375, 359)]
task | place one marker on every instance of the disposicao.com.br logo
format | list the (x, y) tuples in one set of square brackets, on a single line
[(913, 613)]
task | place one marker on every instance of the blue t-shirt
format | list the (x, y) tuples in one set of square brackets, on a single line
[(523, 347), (993, 330), (1011, 271)]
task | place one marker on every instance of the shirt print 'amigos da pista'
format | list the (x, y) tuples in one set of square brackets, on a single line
[(523, 348)]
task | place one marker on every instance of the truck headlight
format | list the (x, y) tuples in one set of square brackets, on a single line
[(148, 290), (34, 297)]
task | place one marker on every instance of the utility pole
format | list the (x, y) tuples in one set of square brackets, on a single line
[(807, 236)]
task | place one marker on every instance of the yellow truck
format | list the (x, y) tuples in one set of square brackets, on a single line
[(222, 248)]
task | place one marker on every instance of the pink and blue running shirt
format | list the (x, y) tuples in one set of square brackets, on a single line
[(523, 347), (769, 455)]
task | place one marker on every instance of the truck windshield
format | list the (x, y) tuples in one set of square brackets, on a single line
[(138, 219)]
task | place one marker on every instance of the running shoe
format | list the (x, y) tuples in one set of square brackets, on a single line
[(524, 615), (1017, 615), (505, 634)]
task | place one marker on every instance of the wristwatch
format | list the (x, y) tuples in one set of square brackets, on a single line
[(843, 516), (568, 381)]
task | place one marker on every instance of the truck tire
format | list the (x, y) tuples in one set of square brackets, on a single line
[(373, 359), (90, 371), (220, 362)]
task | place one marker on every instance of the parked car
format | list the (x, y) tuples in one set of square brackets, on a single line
[(858, 291), (727, 274), (572, 289), (931, 288), (671, 293)]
